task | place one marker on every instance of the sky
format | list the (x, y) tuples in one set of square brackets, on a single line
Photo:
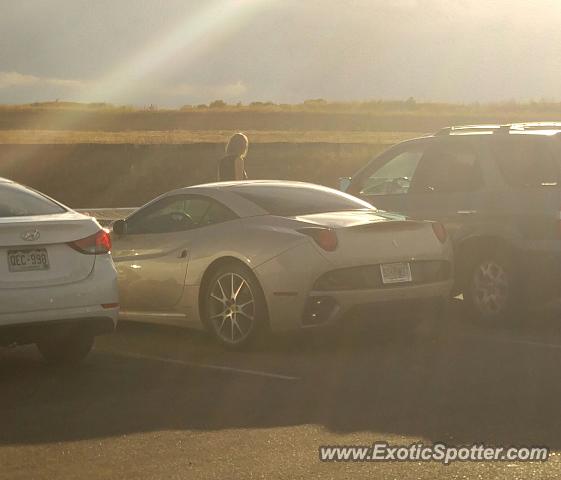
[(185, 52)]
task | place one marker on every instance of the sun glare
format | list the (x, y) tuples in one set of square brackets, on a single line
[(194, 35)]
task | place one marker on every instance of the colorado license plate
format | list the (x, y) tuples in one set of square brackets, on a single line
[(28, 259), (396, 272)]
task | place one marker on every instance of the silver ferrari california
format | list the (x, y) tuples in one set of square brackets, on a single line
[(243, 258)]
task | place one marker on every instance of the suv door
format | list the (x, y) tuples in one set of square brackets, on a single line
[(529, 198), (428, 179), (447, 186)]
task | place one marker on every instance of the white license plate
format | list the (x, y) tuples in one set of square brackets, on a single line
[(396, 272), (28, 259)]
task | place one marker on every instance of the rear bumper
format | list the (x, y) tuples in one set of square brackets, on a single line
[(52, 316), (25, 333), (367, 303), (28, 314), (79, 300)]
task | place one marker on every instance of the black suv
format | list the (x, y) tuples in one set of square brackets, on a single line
[(497, 189)]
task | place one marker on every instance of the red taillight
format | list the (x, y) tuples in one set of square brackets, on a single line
[(99, 242), (326, 238), (439, 231), (110, 305)]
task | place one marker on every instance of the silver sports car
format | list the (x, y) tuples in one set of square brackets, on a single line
[(242, 258)]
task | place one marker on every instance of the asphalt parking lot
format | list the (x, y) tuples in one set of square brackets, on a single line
[(162, 402)]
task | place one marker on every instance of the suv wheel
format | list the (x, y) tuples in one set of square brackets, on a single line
[(66, 348), (490, 291)]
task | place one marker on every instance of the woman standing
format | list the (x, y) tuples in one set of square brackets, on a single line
[(232, 166)]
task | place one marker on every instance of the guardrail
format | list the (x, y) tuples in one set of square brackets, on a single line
[(106, 216)]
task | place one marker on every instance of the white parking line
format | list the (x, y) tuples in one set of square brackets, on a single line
[(534, 344), (221, 368), (514, 341)]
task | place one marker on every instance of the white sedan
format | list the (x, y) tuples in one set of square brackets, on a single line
[(242, 258), (58, 284)]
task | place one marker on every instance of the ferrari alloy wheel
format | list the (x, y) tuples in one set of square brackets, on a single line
[(235, 307)]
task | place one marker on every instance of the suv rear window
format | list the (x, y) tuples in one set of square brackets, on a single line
[(526, 162), (18, 201), (300, 200)]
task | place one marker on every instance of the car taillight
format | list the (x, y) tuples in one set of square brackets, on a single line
[(439, 231), (326, 238), (99, 242)]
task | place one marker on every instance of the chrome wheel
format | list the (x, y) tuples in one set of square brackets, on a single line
[(232, 308), (490, 288)]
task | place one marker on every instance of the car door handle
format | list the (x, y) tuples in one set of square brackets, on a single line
[(183, 254), (466, 212)]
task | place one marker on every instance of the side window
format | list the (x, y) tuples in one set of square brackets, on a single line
[(447, 168), (177, 214), (394, 176), (525, 162), (217, 213), (164, 216), (196, 208)]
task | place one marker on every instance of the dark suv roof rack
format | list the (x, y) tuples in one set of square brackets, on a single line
[(506, 128)]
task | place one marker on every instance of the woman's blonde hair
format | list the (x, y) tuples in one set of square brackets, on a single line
[(237, 145)]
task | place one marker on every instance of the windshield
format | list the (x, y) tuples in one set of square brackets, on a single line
[(289, 200), (19, 201)]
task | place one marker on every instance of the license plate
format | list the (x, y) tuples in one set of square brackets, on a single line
[(28, 259), (396, 272)]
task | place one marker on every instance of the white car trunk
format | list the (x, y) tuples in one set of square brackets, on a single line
[(61, 264), (373, 237)]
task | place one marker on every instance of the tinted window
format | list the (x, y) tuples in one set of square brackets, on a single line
[(216, 213), (394, 177), (447, 168), (301, 200), (525, 162), (178, 213), (18, 201)]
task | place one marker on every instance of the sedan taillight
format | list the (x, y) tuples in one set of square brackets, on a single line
[(99, 242)]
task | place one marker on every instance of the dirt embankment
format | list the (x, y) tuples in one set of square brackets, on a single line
[(97, 175)]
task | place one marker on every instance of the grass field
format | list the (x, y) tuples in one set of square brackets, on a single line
[(147, 137), (368, 122)]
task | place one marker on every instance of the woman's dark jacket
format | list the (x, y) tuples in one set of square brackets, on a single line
[(227, 169)]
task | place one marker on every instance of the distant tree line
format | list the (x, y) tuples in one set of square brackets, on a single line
[(407, 106)]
